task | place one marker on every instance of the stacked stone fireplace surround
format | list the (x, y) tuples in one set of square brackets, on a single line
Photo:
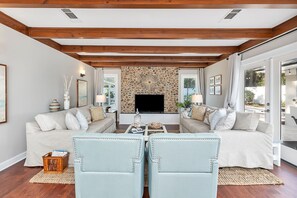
[(149, 80)]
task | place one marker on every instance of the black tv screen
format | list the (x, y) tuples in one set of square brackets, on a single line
[(149, 103)]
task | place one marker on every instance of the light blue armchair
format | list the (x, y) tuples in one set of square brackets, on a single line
[(183, 165), (109, 165)]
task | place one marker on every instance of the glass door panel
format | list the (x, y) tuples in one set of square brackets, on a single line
[(256, 92), (289, 103)]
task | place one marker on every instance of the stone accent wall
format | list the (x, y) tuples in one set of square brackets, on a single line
[(149, 80)]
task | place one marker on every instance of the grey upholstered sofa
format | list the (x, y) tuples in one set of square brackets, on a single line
[(240, 148), (41, 142)]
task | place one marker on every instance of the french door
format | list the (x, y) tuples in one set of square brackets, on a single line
[(256, 91)]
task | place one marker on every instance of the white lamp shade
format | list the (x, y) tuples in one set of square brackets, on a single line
[(100, 98), (197, 98)]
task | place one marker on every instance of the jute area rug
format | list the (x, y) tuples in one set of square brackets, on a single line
[(227, 176)]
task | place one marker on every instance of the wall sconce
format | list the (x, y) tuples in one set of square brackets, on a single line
[(82, 73)]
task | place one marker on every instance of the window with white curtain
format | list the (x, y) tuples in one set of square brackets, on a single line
[(188, 86)]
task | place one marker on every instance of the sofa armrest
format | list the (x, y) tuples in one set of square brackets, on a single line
[(265, 127), (111, 115), (32, 127)]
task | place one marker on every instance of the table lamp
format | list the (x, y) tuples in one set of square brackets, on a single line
[(100, 99), (197, 98)]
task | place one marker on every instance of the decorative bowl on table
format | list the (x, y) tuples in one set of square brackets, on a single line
[(155, 125)]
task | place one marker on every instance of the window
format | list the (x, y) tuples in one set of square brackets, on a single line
[(111, 90), (188, 86)]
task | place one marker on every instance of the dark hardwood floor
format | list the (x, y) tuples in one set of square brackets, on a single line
[(14, 183)]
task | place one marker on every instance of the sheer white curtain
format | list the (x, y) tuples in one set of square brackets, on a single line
[(98, 82), (201, 83), (234, 62)]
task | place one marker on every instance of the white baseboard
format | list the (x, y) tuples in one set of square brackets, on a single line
[(6, 164)]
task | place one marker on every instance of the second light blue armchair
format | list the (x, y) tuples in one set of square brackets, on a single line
[(109, 165), (183, 165)]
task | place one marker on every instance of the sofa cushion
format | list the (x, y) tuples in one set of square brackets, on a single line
[(208, 115), (227, 122), (97, 113), (71, 122), (83, 122), (198, 112), (194, 125), (86, 112), (101, 125), (51, 121), (220, 113), (246, 121)]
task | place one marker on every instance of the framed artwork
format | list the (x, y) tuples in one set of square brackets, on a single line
[(82, 93), (218, 90), (211, 90), (218, 79), (3, 93), (211, 81)]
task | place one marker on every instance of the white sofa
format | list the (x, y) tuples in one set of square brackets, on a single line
[(41, 142), (238, 147)]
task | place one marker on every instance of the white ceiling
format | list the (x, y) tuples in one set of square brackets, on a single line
[(151, 18), (150, 42), (124, 54)]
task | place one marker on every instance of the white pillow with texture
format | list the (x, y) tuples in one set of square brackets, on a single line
[(227, 122), (218, 115), (45, 122), (71, 122), (246, 121), (86, 112), (82, 120)]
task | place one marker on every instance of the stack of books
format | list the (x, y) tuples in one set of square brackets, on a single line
[(59, 153)]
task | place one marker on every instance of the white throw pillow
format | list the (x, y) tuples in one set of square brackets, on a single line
[(246, 121), (227, 122), (45, 122), (71, 122), (218, 115), (82, 120), (86, 112)]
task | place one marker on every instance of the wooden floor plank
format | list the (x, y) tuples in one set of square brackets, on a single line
[(15, 184)]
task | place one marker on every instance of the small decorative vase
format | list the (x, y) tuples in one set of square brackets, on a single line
[(54, 106), (66, 100), (137, 119)]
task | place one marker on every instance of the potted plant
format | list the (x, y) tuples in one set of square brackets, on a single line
[(184, 105)]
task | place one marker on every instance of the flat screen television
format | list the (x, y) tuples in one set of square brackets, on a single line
[(149, 103)]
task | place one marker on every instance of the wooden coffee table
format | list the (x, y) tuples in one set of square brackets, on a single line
[(147, 131)]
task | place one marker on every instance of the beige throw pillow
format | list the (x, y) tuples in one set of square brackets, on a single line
[(198, 112), (246, 121), (97, 113)]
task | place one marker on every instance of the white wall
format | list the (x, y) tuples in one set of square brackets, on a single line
[(35, 77), (219, 68)]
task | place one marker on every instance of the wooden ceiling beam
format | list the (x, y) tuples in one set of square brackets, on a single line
[(150, 33), (286, 26), (161, 59), (50, 43), (150, 4), (150, 49), (145, 64), (12, 23)]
